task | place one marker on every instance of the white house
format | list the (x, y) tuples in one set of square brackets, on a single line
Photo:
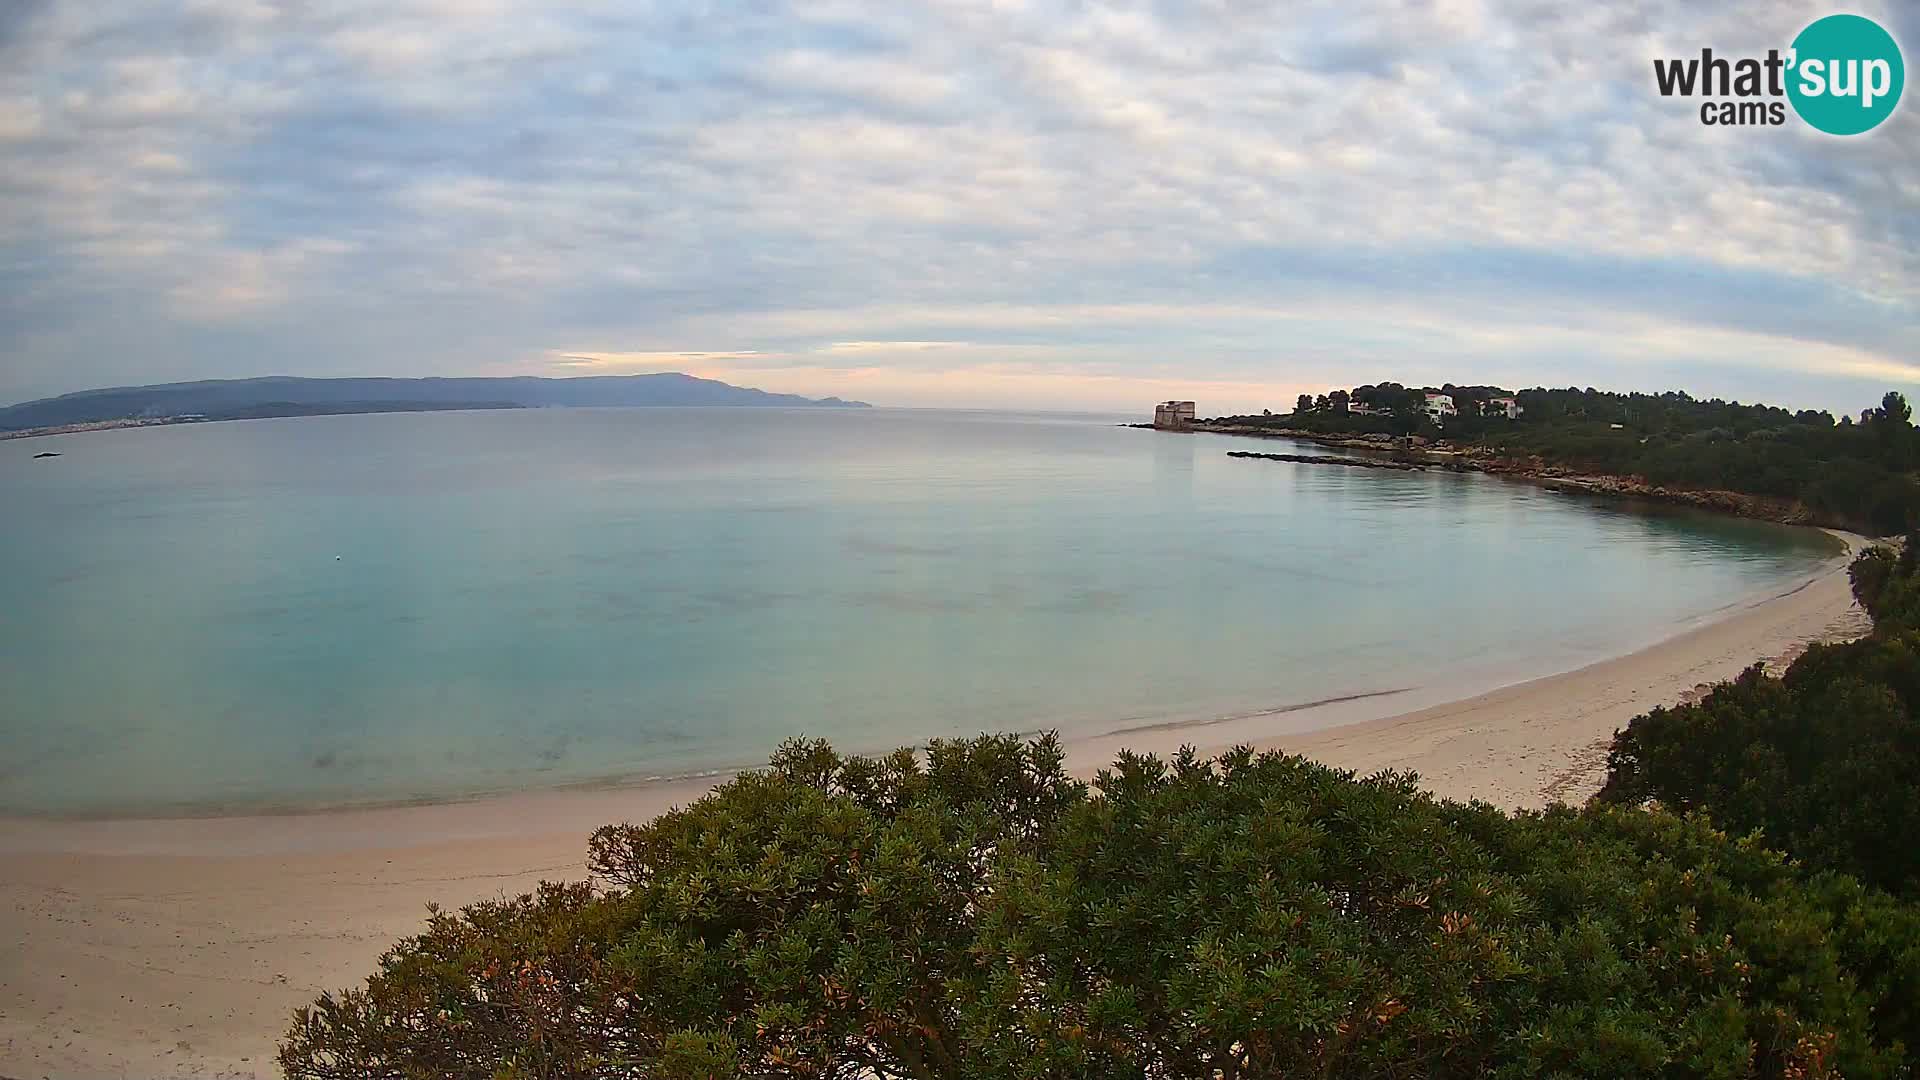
[(1502, 406), (1439, 406)]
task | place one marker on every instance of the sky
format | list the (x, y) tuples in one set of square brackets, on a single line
[(982, 204)]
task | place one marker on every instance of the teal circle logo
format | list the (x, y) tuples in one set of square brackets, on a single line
[(1845, 74)]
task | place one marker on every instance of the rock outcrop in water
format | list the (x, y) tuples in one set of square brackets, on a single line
[(1326, 459)]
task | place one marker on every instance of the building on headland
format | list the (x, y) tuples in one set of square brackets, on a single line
[(1173, 415), (1361, 408), (1502, 406), (1439, 406)]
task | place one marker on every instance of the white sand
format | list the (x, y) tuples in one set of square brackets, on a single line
[(180, 948)]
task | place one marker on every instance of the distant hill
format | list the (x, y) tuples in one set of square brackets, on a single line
[(226, 399)]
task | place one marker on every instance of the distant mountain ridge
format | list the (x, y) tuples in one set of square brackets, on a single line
[(282, 395)]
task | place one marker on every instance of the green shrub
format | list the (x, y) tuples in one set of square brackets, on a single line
[(979, 913), (1822, 760)]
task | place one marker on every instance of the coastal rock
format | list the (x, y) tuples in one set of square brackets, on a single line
[(1415, 452), (49, 453), (1784, 511), (1323, 459)]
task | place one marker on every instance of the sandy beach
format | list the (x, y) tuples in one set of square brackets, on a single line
[(179, 948)]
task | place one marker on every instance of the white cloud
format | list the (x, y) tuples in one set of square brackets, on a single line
[(1115, 191)]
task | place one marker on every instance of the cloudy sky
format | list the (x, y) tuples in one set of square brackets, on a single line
[(1064, 205)]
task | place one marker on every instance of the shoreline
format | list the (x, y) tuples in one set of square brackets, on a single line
[(262, 828), (186, 829), (179, 947), (1530, 744), (1420, 456)]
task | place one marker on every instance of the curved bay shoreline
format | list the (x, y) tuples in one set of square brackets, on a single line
[(162, 948), (1406, 453)]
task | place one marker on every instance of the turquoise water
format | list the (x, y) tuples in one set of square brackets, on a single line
[(361, 608)]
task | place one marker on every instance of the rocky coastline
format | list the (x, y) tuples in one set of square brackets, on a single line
[(1418, 452), (1323, 459)]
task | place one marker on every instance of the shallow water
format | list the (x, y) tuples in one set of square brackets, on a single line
[(365, 608)]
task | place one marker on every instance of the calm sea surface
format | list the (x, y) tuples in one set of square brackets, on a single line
[(340, 609)]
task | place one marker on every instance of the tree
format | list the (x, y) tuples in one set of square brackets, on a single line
[(1893, 428), (982, 914), (1303, 404), (1894, 411), (1338, 401)]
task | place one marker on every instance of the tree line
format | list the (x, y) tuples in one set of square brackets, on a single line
[(1853, 472)]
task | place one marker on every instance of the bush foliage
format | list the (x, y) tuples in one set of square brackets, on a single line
[(977, 912), (1825, 760)]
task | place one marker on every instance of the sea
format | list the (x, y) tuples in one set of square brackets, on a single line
[(327, 611)]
